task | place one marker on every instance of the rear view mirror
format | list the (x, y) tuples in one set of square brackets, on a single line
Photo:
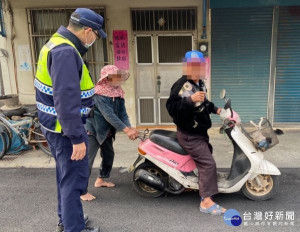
[(223, 94)]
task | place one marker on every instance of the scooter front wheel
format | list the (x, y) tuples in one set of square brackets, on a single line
[(261, 188), (143, 189)]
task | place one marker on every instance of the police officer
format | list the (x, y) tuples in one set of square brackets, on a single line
[(63, 93)]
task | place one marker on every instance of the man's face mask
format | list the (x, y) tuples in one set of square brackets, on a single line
[(87, 45)]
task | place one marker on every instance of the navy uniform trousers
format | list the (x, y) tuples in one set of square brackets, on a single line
[(72, 181)]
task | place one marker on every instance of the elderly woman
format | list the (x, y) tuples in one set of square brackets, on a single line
[(110, 116)]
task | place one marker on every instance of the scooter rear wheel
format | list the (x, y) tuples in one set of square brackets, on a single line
[(143, 189), (259, 192)]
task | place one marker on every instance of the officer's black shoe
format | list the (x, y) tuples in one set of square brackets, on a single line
[(91, 229), (60, 226)]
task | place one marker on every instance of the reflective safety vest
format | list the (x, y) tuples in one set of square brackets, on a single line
[(43, 84)]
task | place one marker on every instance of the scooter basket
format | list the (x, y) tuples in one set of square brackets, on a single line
[(261, 134)]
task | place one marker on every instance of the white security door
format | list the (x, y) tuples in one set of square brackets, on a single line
[(159, 65)]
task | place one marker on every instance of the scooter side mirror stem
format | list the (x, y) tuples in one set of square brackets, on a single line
[(227, 104)]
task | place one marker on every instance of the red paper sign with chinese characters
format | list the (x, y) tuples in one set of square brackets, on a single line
[(121, 55)]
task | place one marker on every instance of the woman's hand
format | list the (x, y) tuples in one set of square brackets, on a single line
[(132, 133)]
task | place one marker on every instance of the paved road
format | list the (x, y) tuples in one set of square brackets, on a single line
[(28, 203)]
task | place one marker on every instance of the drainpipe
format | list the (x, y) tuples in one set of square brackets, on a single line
[(204, 36), (8, 10), (12, 39)]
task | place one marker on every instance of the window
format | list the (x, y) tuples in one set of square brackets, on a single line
[(43, 23), (147, 112), (144, 49), (183, 19), (171, 49)]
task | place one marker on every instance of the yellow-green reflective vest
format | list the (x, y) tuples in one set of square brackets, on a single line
[(43, 84)]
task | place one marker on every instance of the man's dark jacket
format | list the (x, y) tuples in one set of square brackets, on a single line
[(186, 116)]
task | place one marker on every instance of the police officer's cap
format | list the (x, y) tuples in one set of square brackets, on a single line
[(89, 18)]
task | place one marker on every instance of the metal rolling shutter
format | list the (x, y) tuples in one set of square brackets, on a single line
[(240, 62), (287, 89)]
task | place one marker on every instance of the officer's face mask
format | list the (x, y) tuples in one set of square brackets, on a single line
[(87, 45)]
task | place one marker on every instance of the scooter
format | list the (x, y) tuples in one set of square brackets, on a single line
[(167, 168)]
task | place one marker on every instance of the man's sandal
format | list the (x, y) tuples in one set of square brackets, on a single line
[(215, 209)]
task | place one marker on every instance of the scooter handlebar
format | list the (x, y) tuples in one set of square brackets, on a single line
[(143, 135), (227, 122)]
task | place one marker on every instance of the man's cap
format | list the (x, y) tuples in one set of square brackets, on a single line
[(194, 56), (89, 18)]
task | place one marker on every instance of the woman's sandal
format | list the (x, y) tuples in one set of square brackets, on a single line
[(215, 209)]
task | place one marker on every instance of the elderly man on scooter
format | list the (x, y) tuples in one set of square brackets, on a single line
[(190, 110)]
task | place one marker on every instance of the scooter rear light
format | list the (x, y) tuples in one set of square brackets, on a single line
[(141, 151)]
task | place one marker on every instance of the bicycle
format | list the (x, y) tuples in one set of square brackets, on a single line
[(27, 128)]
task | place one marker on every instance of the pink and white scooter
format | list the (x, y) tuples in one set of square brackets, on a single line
[(167, 168)]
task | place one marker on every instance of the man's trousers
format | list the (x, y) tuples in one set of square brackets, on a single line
[(72, 181)]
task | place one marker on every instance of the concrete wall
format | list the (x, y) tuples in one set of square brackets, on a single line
[(118, 15)]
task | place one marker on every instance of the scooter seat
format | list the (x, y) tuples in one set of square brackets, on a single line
[(168, 140)]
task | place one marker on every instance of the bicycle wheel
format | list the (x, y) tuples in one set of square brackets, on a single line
[(42, 145), (7, 128), (7, 133), (3, 145)]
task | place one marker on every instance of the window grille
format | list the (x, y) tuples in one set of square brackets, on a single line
[(43, 23), (181, 19)]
